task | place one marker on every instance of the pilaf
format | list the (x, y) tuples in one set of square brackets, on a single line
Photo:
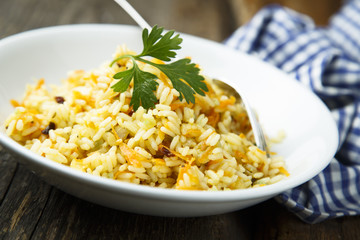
[(85, 125)]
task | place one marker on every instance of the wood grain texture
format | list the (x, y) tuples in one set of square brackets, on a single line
[(85, 220), (7, 170), (32, 209), (23, 205)]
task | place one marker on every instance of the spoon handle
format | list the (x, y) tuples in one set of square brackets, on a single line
[(133, 13)]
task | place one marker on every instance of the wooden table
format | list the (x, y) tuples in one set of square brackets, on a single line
[(33, 209)]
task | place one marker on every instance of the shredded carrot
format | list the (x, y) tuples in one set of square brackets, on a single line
[(161, 135), (79, 95), (232, 186), (260, 151), (193, 133), (87, 98), (127, 101), (213, 118), (131, 156), (203, 146), (164, 79), (204, 106), (227, 102), (177, 105), (37, 87), (78, 108), (162, 76), (15, 103), (211, 91), (118, 172), (240, 156), (79, 164), (205, 156), (241, 115), (158, 161), (260, 167), (185, 169), (213, 162), (80, 72), (114, 132), (227, 173), (242, 135), (93, 78), (39, 84), (284, 171), (182, 170)]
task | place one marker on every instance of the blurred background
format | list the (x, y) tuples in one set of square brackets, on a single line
[(319, 10), (212, 19)]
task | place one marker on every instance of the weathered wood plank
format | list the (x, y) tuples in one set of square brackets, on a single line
[(349, 227), (275, 222), (67, 217), (22, 205), (7, 170)]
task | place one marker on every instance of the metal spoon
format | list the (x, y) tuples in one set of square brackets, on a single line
[(255, 125)]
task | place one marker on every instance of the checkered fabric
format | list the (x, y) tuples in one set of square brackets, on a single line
[(326, 60)]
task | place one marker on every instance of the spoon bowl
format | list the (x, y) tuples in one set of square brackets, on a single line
[(255, 125)]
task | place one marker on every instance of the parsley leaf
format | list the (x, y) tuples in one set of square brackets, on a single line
[(125, 79), (180, 71), (158, 46), (144, 86), (183, 74)]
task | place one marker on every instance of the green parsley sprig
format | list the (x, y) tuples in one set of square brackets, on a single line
[(183, 74)]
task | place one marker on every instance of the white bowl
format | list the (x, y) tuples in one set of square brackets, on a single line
[(281, 102)]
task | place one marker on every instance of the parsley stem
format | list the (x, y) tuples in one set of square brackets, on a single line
[(121, 57)]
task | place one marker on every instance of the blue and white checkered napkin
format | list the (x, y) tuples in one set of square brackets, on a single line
[(327, 60)]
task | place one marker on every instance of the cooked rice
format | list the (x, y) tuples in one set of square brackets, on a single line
[(84, 124)]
